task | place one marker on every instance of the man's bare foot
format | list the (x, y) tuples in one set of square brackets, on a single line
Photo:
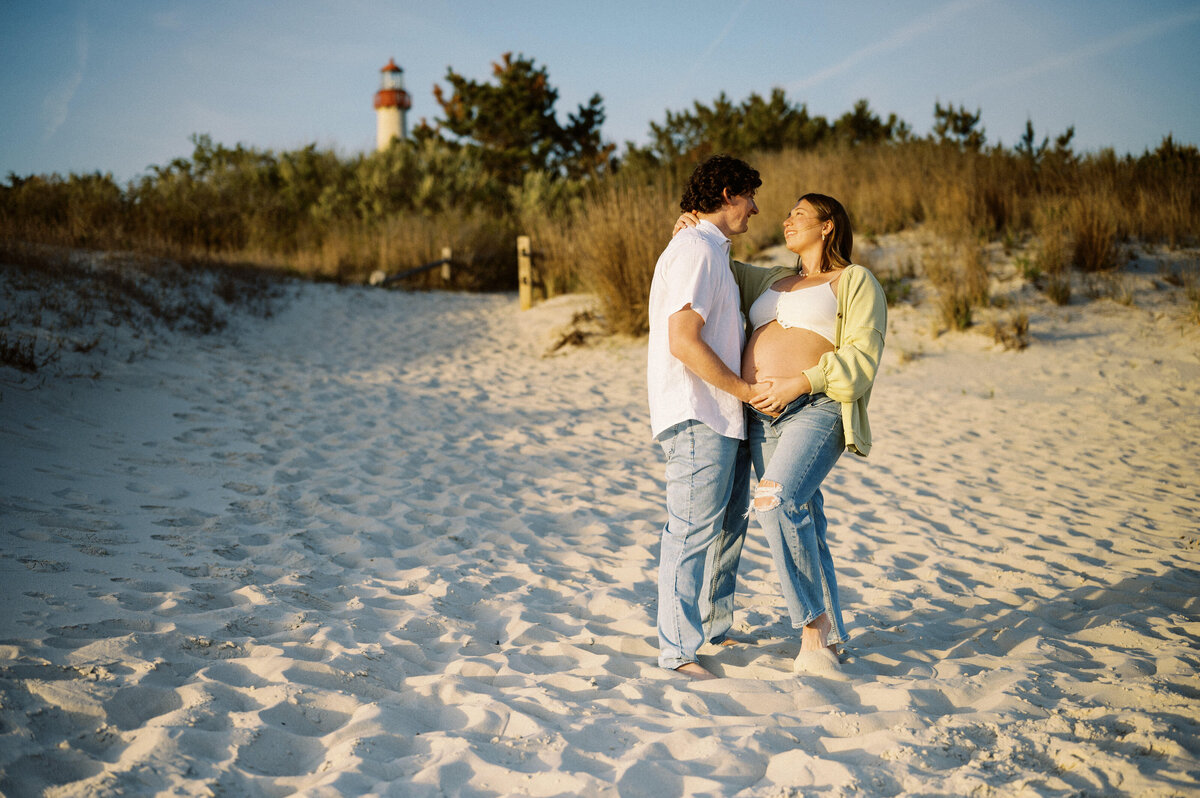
[(696, 671), (815, 635)]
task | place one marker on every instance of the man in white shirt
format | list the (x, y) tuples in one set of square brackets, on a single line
[(694, 358)]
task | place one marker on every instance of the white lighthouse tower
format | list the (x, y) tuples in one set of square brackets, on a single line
[(391, 102)]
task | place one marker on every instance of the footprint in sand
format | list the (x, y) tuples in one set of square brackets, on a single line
[(130, 708), (310, 716), (281, 753), (287, 476), (188, 518), (129, 584), (167, 492), (93, 551), (245, 488), (43, 566)]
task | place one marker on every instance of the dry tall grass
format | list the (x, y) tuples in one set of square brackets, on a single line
[(958, 271), (1095, 225), (1051, 258), (319, 216), (612, 244), (1192, 292)]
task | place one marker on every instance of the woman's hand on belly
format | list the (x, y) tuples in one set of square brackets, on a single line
[(780, 392), (779, 356)]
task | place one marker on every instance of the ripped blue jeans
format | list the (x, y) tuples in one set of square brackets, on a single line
[(792, 454)]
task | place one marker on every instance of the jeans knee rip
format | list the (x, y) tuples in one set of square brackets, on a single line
[(766, 496)]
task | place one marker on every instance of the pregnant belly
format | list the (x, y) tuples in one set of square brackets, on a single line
[(774, 351)]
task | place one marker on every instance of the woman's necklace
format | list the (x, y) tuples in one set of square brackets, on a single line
[(804, 273)]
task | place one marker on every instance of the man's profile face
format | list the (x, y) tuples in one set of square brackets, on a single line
[(738, 212)]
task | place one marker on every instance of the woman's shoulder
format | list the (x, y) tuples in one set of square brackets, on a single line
[(862, 290), (756, 278), (750, 268), (858, 274)]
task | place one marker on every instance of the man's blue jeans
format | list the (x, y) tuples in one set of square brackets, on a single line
[(708, 477), (796, 451)]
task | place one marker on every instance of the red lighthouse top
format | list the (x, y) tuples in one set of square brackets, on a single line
[(391, 92)]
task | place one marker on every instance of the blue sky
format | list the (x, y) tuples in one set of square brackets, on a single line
[(116, 87)]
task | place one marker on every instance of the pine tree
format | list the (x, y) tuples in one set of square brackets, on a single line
[(512, 121)]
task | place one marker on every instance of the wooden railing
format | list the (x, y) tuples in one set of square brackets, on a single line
[(528, 281), (446, 262)]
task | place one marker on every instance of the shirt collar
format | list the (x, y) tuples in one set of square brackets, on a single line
[(710, 230)]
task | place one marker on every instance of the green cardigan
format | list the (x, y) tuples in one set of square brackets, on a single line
[(847, 373), (753, 280)]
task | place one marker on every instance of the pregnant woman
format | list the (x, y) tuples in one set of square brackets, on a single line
[(817, 337)]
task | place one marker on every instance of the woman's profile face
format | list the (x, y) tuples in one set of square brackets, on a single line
[(801, 227)]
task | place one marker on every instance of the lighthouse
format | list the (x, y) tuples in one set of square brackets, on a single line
[(391, 101)]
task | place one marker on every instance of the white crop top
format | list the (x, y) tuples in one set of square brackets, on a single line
[(813, 308)]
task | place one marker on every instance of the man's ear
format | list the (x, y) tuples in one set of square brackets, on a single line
[(725, 195)]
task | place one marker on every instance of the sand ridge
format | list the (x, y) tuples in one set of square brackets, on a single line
[(381, 545)]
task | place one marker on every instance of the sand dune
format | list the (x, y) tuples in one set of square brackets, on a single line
[(381, 545)]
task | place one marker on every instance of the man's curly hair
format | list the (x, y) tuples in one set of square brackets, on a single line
[(705, 188)]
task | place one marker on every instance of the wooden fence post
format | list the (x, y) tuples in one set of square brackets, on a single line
[(446, 265), (524, 272)]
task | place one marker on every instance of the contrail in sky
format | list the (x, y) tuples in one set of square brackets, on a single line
[(899, 38), (58, 102), (1125, 38), (724, 32)]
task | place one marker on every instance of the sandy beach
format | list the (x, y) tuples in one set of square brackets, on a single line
[(384, 543)]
